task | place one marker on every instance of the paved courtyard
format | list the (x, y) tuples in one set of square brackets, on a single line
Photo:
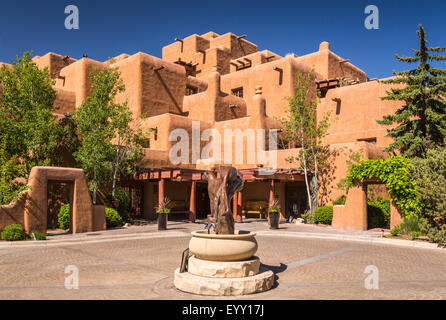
[(139, 262)]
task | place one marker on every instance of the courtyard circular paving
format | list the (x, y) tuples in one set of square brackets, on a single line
[(141, 265)]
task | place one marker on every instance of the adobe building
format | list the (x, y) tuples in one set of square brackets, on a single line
[(212, 83)]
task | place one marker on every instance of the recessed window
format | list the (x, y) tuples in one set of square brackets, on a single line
[(369, 140), (190, 90), (238, 92)]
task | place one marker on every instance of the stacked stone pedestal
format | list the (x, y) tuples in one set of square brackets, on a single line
[(224, 278)]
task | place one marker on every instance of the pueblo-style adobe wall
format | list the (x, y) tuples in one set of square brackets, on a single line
[(30, 210), (221, 82)]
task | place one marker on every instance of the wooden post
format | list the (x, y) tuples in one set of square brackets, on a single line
[(234, 206), (271, 195), (192, 205), (160, 191), (239, 207)]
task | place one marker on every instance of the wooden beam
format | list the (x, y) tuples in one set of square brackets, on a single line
[(192, 205), (158, 69), (166, 174)]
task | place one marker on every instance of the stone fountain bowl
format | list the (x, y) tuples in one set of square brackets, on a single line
[(223, 247)]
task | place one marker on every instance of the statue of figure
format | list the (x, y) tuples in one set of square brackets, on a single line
[(221, 190)]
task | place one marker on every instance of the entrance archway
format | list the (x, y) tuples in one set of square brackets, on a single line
[(30, 209), (353, 215)]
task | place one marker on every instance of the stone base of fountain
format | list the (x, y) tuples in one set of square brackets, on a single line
[(232, 270)]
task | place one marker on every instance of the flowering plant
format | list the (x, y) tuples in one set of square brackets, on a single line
[(274, 206), (164, 206)]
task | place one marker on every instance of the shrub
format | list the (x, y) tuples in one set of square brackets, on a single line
[(430, 178), (395, 231), (64, 217), (38, 235), (112, 218), (306, 216), (378, 212), (414, 235), (14, 232), (340, 200), (124, 201), (409, 225), (323, 215)]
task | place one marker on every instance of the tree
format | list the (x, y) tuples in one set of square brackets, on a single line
[(302, 127), (10, 188), (421, 122), (26, 119), (129, 144), (99, 122), (430, 178)]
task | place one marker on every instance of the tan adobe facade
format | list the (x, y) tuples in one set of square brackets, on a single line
[(220, 82)]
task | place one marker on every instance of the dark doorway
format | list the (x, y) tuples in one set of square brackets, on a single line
[(203, 204), (136, 193), (296, 199), (59, 193)]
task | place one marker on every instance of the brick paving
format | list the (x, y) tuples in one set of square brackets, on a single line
[(139, 262)]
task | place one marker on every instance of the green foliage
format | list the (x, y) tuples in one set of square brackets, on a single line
[(124, 202), (378, 212), (410, 225), (26, 119), (421, 121), (99, 120), (274, 206), (301, 129), (323, 215), (354, 157), (164, 210), (396, 173), (306, 216), (112, 217), (395, 231), (414, 235), (38, 235), (64, 217), (430, 176), (9, 171), (13, 232), (340, 201)]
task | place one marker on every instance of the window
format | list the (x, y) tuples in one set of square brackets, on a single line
[(369, 140), (238, 92), (190, 90)]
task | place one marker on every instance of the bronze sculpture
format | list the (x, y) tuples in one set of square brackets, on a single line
[(222, 186)]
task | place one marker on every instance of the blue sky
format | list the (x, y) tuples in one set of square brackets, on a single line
[(108, 28)]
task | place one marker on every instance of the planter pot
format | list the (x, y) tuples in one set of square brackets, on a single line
[(223, 247), (162, 221), (274, 220)]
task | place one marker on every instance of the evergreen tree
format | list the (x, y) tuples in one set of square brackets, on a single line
[(421, 121)]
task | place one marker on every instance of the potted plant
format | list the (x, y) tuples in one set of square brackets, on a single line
[(163, 210), (274, 214)]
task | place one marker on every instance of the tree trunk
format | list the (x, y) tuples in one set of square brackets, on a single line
[(94, 189), (315, 175), (305, 169), (115, 169)]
